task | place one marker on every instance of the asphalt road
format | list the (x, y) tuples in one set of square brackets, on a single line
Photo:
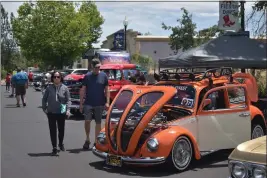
[(26, 149)]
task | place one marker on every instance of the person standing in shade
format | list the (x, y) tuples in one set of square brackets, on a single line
[(21, 83), (96, 93), (55, 104)]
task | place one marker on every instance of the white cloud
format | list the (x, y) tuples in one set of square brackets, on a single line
[(148, 16)]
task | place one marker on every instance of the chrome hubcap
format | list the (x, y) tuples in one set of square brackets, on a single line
[(257, 132), (182, 153)]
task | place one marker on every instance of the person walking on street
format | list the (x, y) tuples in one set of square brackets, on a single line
[(30, 75), (13, 84), (8, 82), (55, 104), (96, 93), (21, 84)]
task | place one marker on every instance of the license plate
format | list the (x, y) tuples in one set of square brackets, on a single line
[(114, 160)]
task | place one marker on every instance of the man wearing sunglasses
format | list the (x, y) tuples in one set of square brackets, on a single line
[(96, 92)]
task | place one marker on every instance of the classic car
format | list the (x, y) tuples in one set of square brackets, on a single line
[(249, 159), (185, 117)]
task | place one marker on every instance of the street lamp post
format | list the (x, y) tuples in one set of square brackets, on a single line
[(125, 23)]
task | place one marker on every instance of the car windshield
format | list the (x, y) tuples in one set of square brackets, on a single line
[(142, 104), (67, 71), (184, 97), (113, 74)]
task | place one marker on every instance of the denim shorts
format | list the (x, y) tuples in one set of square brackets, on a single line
[(97, 110)]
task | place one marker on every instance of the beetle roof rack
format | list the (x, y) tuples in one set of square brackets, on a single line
[(193, 76)]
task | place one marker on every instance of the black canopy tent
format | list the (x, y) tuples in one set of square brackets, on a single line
[(232, 49)]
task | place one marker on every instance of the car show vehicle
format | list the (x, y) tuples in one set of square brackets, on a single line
[(113, 63), (181, 118), (119, 75), (249, 159)]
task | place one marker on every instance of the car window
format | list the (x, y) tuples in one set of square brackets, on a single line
[(217, 100), (113, 74), (237, 97), (184, 97)]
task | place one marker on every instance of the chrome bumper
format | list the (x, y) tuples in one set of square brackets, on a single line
[(129, 160)]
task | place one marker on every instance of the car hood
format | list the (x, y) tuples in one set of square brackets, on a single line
[(73, 77), (133, 112), (251, 151)]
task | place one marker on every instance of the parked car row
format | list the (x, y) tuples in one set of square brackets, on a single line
[(183, 117)]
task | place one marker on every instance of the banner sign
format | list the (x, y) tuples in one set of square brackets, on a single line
[(118, 43), (114, 58), (228, 15)]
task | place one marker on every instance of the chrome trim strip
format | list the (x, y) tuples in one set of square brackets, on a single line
[(129, 160)]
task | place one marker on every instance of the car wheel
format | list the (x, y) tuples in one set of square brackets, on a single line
[(257, 131), (181, 154)]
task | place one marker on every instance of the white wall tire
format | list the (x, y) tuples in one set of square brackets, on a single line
[(181, 154), (257, 131)]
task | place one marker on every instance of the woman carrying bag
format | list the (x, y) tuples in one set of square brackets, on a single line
[(55, 104)]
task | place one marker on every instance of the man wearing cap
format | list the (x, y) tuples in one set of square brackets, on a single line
[(96, 93)]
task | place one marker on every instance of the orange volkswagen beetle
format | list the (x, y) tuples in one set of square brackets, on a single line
[(183, 117)]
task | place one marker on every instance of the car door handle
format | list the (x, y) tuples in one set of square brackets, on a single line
[(244, 115)]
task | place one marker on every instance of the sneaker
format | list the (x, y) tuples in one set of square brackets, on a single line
[(18, 105), (54, 152), (61, 147), (11, 96), (24, 104), (86, 145)]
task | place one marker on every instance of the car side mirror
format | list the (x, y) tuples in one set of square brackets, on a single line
[(206, 102)]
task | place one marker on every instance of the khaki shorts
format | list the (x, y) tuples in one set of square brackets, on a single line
[(97, 110)]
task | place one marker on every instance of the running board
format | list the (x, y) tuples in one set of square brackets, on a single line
[(204, 153)]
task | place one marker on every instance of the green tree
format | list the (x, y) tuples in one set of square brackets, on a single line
[(9, 48), (206, 34), (144, 61), (54, 33), (182, 36), (147, 33)]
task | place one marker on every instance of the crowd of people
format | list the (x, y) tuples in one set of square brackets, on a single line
[(94, 98)]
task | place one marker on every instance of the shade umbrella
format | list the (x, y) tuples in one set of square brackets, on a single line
[(229, 50)]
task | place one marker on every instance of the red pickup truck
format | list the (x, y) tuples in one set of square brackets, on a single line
[(118, 75)]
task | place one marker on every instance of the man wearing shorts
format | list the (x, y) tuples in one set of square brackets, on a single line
[(96, 93), (21, 84)]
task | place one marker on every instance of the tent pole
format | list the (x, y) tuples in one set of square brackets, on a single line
[(242, 12)]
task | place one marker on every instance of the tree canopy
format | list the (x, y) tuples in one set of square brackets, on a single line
[(56, 33), (10, 54), (184, 36)]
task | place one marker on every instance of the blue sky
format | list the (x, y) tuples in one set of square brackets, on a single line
[(148, 16)]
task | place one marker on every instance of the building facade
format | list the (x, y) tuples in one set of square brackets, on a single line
[(115, 41)]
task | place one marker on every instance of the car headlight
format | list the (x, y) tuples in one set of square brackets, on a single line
[(259, 172), (101, 138), (152, 144), (238, 169)]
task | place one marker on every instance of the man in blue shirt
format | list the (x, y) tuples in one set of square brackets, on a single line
[(20, 80), (96, 93)]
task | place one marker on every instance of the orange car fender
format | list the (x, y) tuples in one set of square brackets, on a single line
[(166, 139), (254, 111)]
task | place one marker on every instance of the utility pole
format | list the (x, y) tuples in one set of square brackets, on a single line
[(242, 12)]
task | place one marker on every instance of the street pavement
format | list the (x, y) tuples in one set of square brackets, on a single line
[(26, 149)]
